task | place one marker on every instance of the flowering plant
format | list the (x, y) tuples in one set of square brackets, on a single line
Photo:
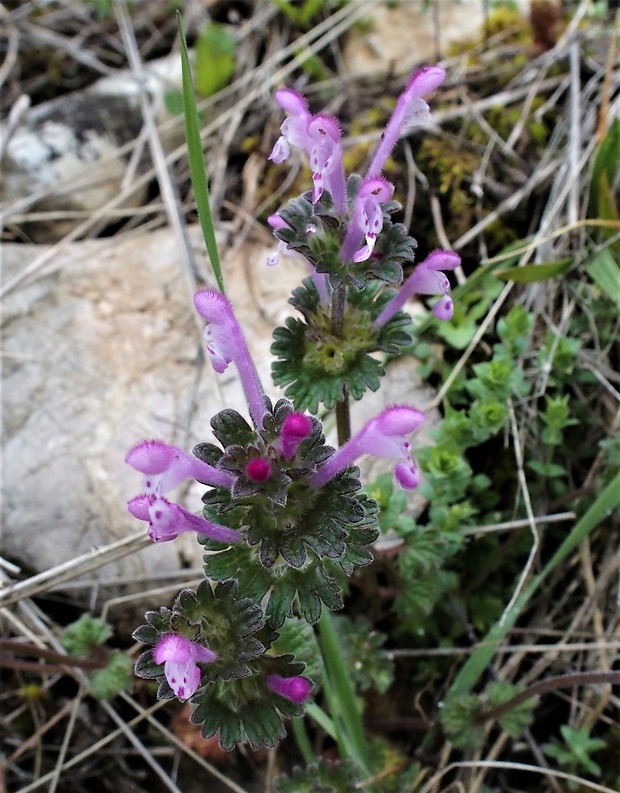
[(284, 516)]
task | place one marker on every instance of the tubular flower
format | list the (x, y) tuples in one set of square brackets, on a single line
[(367, 218), (319, 137), (295, 429), (326, 161), (297, 689), (180, 657), (166, 466), (167, 520), (294, 129), (426, 279), (226, 343), (383, 436), (410, 110)]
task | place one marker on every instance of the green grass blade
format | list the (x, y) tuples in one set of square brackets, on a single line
[(303, 742), (478, 662), (197, 167), (343, 702), (605, 272)]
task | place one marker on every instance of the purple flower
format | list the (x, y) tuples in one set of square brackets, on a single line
[(165, 466), (367, 218), (410, 110), (295, 429), (383, 436), (179, 657), (294, 129), (297, 689), (167, 520), (426, 279), (326, 161), (226, 343), (319, 136)]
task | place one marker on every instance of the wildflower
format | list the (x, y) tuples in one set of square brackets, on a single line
[(410, 110), (367, 218), (295, 429), (326, 161), (165, 466), (426, 279), (226, 343), (180, 657), (319, 136), (294, 128), (167, 520), (383, 436), (297, 689)]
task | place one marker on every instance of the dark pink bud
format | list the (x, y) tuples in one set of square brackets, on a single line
[(258, 470), (295, 429), (297, 689)]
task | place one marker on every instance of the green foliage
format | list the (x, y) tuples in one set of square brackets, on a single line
[(370, 667), (573, 753), (292, 528), (514, 329), (603, 269), (301, 14), (316, 365), (82, 636), (603, 201), (320, 777), (532, 273), (518, 717), (556, 417), (81, 639), (458, 718), (559, 353), (197, 166), (117, 676), (215, 59)]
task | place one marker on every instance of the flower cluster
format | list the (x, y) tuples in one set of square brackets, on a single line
[(344, 232), (282, 509)]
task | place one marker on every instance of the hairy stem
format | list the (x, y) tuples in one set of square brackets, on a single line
[(343, 415)]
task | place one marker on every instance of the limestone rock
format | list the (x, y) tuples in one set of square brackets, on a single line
[(107, 351)]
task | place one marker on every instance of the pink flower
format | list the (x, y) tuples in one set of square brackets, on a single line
[(367, 218), (325, 158), (297, 689), (410, 110), (426, 279), (295, 429), (383, 436), (319, 136), (294, 129), (166, 466), (179, 657), (226, 343), (167, 520)]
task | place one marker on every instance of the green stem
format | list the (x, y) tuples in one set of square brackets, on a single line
[(339, 688), (303, 742), (343, 414)]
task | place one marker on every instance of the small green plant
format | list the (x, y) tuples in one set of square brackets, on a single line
[(86, 638), (573, 752)]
